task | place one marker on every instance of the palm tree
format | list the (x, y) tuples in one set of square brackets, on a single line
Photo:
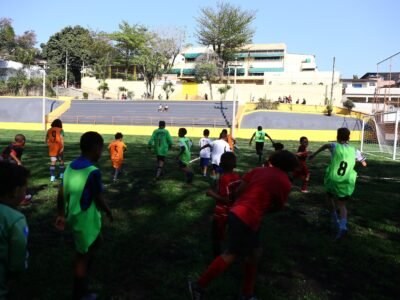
[(103, 87)]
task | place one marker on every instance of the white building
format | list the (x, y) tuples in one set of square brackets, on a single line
[(9, 68)]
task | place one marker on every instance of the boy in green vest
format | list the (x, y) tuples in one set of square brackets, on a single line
[(259, 136), (161, 141), (340, 176), (79, 203), (13, 227), (183, 158)]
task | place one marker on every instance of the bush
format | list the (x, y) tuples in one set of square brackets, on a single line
[(349, 104), (267, 104), (85, 95)]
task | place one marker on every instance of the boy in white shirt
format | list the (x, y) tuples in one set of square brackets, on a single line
[(218, 147), (205, 154)]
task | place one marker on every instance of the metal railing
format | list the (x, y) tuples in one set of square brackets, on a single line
[(137, 120)]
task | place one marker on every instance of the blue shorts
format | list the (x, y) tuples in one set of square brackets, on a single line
[(217, 169), (204, 161)]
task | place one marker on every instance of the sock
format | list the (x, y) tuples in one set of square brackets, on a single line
[(343, 224), (159, 172), (250, 272), (52, 170), (116, 174), (214, 269), (61, 169)]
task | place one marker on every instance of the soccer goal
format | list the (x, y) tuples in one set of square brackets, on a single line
[(380, 135)]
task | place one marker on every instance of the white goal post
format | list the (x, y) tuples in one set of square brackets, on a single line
[(380, 134)]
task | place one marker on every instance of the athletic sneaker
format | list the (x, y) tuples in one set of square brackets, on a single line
[(196, 292), (52, 178), (341, 234), (305, 191), (61, 175)]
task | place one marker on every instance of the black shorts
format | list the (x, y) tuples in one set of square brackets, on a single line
[(242, 240), (160, 158), (217, 169), (259, 147)]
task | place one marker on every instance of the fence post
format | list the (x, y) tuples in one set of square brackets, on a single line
[(396, 133), (362, 135)]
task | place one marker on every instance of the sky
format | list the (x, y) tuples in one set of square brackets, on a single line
[(358, 33)]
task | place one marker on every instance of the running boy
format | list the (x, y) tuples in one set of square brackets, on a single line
[(117, 149), (13, 227), (80, 200), (55, 141), (261, 190), (302, 170), (13, 152), (340, 176), (227, 185), (161, 141), (205, 154), (183, 158), (259, 136), (218, 148)]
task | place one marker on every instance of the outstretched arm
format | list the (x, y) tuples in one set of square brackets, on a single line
[(252, 137), (269, 138), (322, 148)]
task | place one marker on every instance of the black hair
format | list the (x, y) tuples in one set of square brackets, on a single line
[(118, 135), (278, 146), (259, 128), (284, 160), (161, 124), (182, 130), (228, 161), (223, 135), (56, 123), (303, 138), (343, 134), (224, 131), (206, 132), (90, 140), (11, 177), (19, 138)]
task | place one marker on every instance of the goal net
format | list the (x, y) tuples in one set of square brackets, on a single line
[(380, 135)]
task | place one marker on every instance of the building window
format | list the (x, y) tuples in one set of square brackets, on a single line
[(357, 85), (372, 84)]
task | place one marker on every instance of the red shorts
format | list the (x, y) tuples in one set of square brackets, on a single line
[(221, 220)]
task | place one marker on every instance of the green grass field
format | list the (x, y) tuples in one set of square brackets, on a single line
[(161, 233)]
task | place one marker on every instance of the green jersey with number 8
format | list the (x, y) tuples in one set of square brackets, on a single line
[(340, 176)]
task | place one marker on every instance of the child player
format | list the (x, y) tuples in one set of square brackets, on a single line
[(302, 170), (183, 158), (80, 201), (13, 152), (227, 185), (340, 176), (55, 141), (259, 136), (161, 141), (117, 149), (205, 153), (13, 227), (261, 190)]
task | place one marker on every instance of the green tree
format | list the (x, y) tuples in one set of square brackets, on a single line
[(349, 105), (102, 53), (129, 43), (223, 90), (168, 88), (226, 28), (206, 71), (7, 37), (103, 87), (72, 42), (16, 83)]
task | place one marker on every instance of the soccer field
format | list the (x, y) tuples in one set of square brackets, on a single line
[(161, 234)]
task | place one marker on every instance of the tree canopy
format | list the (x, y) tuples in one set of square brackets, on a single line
[(226, 28)]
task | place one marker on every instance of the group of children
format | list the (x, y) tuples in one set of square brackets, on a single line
[(241, 202)]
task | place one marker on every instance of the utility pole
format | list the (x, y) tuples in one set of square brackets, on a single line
[(333, 76), (234, 98), (66, 68)]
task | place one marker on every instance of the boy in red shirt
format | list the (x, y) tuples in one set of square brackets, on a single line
[(227, 184), (13, 152), (261, 190), (302, 170)]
